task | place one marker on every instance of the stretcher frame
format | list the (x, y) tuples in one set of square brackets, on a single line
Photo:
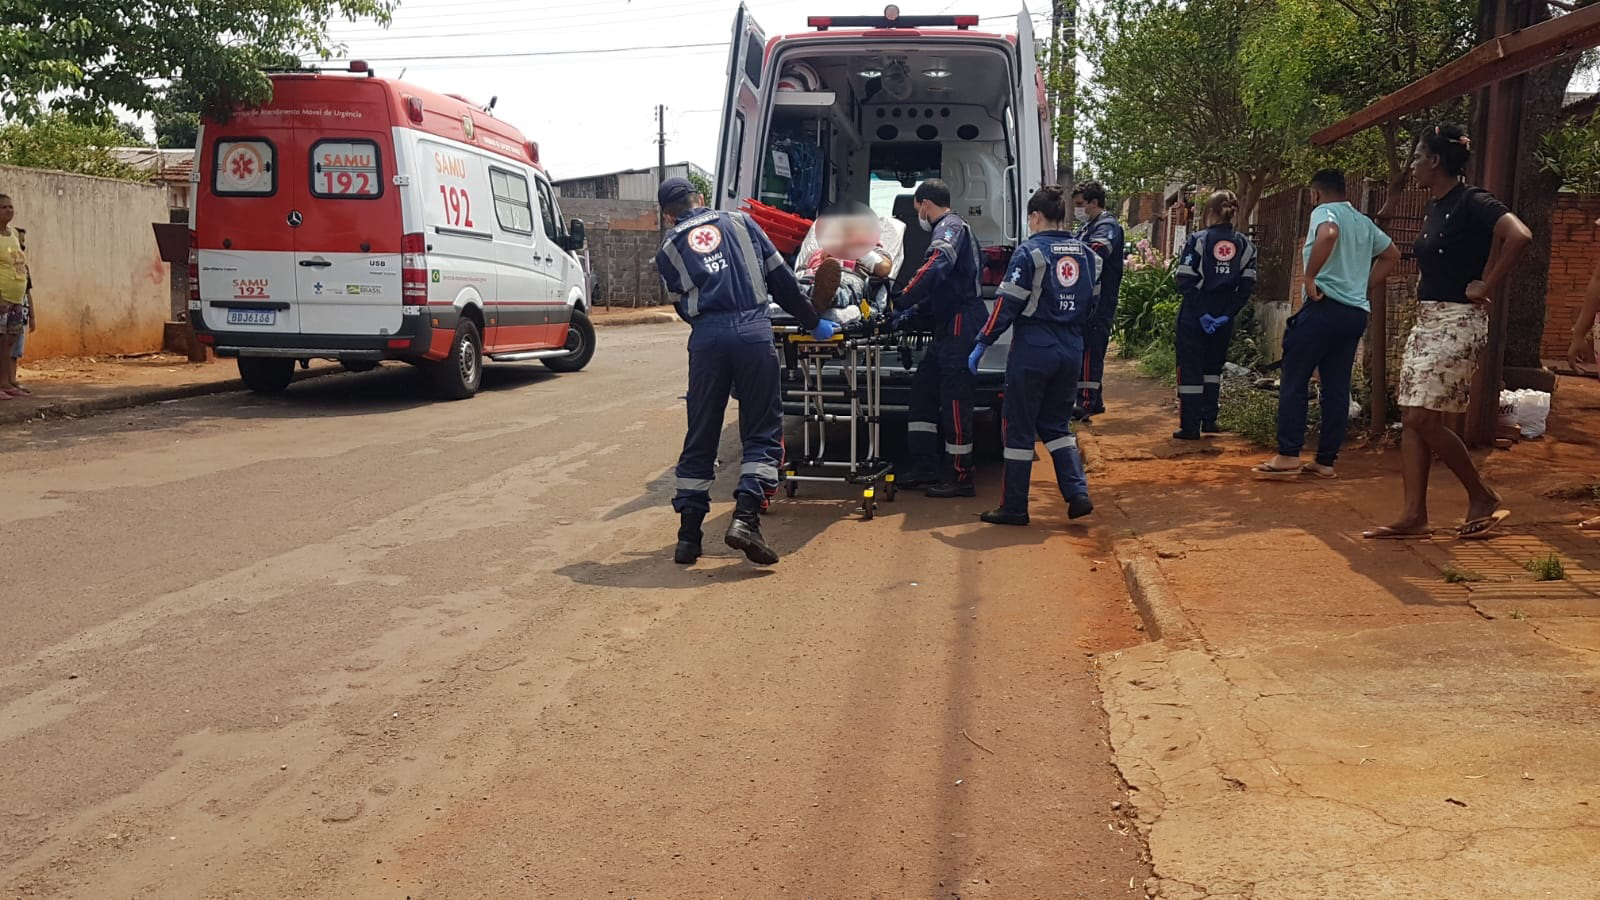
[(859, 348)]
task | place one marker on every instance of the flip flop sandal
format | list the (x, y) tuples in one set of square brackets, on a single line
[(1318, 473), (1266, 470), (1484, 528), (1386, 533), (1589, 525)]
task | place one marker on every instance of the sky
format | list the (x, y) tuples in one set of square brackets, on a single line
[(583, 77)]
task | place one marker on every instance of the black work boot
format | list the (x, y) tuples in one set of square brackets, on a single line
[(949, 490), (1186, 434), (1078, 507), (1002, 517), (744, 534), (1211, 428), (689, 537)]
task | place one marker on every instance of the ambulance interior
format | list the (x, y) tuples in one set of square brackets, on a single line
[(870, 125)]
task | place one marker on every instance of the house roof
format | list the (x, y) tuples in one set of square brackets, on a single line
[(647, 170)]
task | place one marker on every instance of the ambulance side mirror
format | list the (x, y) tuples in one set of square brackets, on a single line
[(576, 238)]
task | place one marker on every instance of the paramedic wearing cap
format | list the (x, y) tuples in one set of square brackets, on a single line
[(1049, 293), (949, 287), (721, 266), (1104, 235)]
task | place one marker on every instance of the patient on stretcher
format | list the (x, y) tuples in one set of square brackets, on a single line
[(848, 244)]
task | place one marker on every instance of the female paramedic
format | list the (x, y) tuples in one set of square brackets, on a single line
[(1216, 275), (1050, 295)]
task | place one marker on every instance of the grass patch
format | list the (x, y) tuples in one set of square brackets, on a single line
[(1583, 493), (1453, 575), (1546, 568), (1518, 615), (1159, 361)]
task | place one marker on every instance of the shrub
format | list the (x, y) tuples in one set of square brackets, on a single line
[(1147, 290)]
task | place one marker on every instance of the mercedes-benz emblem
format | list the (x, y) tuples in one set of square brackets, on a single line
[(295, 219)]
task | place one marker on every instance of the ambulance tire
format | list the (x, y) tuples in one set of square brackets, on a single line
[(358, 366), (457, 376), (580, 346), (266, 375)]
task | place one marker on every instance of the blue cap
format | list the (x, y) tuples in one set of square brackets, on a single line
[(674, 190)]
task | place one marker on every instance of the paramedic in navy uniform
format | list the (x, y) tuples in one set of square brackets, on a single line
[(1104, 235), (1216, 275), (949, 287), (721, 266), (1050, 294)]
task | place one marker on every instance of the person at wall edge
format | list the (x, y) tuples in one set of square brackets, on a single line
[(721, 266), (1104, 235), (1347, 259), (1585, 347), (1216, 275), (948, 286), (1468, 246), (1049, 294)]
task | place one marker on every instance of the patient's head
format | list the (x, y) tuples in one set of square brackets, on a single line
[(848, 230)]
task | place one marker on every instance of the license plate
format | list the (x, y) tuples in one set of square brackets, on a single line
[(252, 317)]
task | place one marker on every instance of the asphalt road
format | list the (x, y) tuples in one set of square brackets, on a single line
[(348, 643)]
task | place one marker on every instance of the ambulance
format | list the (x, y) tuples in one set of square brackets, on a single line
[(360, 219), (866, 108)]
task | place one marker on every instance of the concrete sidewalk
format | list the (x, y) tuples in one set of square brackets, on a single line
[(1327, 717)]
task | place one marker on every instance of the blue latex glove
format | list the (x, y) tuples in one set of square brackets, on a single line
[(976, 357), (1220, 321), (898, 323), (824, 331), (1208, 324)]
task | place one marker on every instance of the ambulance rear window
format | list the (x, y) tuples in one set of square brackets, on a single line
[(346, 169), (245, 167)]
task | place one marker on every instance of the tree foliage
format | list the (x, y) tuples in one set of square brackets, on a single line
[(56, 141), (86, 58)]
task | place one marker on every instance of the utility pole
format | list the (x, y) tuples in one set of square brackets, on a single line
[(661, 175), (1065, 58)]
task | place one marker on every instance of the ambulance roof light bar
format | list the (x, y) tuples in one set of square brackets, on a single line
[(891, 18)]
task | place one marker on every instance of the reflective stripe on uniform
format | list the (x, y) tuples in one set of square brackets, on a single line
[(1014, 291), (674, 257), (923, 428), (1187, 389), (774, 262), (958, 449), (1089, 385), (752, 262), (1213, 379), (1015, 455), (760, 470), (691, 303), (695, 485), (1069, 442), (1040, 264)]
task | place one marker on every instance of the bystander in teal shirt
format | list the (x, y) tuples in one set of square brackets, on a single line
[(1345, 276)]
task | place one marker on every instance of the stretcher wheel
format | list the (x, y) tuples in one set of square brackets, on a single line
[(889, 492), (869, 505), (790, 488)]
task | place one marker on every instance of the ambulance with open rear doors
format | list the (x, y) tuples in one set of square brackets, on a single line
[(360, 219)]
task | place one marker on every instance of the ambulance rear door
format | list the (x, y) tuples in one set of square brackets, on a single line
[(244, 226), (737, 153), (1031, 110)]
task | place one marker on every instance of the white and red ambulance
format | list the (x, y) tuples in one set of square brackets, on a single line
[(361, 219)]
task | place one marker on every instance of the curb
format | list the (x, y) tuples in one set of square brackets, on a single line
[(618, 320), (1164, 618), (76, 409)]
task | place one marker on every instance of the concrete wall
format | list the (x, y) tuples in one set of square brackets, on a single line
[(622, 249), (100, 286)]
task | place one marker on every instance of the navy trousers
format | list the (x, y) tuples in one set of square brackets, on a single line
[(1322, 337), (1096, 343), (724, 357), (1041, 384), (1201, 357), (943, 393)]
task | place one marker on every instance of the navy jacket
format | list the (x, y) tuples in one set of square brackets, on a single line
[(1216, 273), (722, 266), (951, 278), (1053, 282), (1105, 236)]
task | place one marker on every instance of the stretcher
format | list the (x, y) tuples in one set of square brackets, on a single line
[(854, 358)]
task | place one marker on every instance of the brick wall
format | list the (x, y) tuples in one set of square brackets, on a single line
[(1574, 254), (622, 249)]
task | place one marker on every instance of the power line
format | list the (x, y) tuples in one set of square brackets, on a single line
[(536, 53)]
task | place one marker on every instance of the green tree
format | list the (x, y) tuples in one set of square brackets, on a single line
[(701, 184), (1169, 98), (87, 58), (56, 141)]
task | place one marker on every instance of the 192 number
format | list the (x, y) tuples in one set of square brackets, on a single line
[(457, 206), (347, 183)]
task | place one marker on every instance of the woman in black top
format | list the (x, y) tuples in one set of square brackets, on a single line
[(1469, 244)]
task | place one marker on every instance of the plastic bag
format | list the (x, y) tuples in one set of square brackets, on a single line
[(1508, 409), (1533, 413)]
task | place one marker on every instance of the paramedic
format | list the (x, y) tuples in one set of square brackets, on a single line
[(1104, 235), (949, 288), (1049, 293), (720, 265), (1216, 275)]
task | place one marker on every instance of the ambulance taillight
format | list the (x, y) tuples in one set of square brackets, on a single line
[(414, 109), (414, 270), (194, 269), (533, 152)]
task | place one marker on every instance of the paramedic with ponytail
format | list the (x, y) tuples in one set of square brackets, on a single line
[(1216, 275), (721, 266), (949, 286), (1049, 294), (1104, 235)]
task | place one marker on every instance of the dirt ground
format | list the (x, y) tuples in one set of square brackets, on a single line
[(346, 643)]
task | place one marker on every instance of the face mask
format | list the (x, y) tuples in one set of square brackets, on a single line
[(1081, 214), (926, 225)]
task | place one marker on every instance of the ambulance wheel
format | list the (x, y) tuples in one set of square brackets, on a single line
[(457, 376), (358, 365), (580, 346), (266, 375)]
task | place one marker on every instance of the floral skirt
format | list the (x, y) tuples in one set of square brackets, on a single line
[(1441, 356), (13, 318)]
